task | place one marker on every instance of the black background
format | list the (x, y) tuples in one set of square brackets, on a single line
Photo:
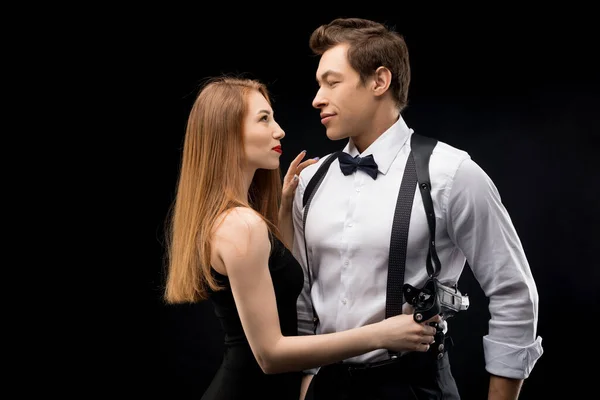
[(519, 93)]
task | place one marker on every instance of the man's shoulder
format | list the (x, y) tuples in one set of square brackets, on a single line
[(449, 152), (310, 171), (447, 158), (305, 177)]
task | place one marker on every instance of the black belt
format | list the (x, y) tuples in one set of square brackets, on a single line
[(410, 361)]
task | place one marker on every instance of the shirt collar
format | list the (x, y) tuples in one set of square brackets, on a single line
[(386, 147)]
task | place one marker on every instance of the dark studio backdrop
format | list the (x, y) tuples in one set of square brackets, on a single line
[(520, 97)]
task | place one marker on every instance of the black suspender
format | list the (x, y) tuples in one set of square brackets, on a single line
[(316, 180), (309, 192)]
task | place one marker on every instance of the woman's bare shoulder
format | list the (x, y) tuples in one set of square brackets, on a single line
[(240, 228), (239, 218)]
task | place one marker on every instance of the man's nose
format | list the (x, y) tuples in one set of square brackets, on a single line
[(319, 101)]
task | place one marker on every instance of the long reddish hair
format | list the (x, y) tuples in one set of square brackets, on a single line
[(211, 171)]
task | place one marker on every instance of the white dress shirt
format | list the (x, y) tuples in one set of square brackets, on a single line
[(348, 232)]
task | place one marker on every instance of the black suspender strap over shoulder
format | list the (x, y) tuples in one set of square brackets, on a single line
[(309, 192), (316, 180)]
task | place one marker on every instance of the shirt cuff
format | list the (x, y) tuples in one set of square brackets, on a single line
[(511, 361)]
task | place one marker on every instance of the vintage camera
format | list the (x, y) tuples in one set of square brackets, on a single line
[(435, 298), (432, 299)]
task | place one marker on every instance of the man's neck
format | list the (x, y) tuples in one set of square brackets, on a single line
[(380, 123)]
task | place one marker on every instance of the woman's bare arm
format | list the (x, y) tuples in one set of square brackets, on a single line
[(242, 249)]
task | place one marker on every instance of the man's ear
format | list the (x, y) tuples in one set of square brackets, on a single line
[(381, 80)]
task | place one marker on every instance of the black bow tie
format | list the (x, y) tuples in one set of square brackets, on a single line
[(349, 164)]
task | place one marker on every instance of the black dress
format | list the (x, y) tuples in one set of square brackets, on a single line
[(240, 376)]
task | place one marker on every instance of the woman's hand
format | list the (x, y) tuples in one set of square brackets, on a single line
[(291, 178), (402, 333), (290, 183)]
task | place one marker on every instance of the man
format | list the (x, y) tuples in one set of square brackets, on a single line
[(344, 246)]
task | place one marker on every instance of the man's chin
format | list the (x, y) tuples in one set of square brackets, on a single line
[(335, 135)]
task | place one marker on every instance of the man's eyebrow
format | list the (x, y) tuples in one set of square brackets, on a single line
[(327, 73)]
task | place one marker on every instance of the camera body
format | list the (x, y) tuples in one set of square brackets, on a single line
[(435, 298), (432, 299)]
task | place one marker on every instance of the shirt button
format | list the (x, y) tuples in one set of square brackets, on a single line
[(346, 262), (344, 301), (350, 224), (358, 189)]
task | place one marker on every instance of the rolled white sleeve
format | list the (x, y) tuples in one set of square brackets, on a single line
[(480, 226)]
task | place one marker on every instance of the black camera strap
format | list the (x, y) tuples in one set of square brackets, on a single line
[(416, 172), (422, 147)]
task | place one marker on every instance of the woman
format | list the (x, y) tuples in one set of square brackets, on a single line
[(226, 245)]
